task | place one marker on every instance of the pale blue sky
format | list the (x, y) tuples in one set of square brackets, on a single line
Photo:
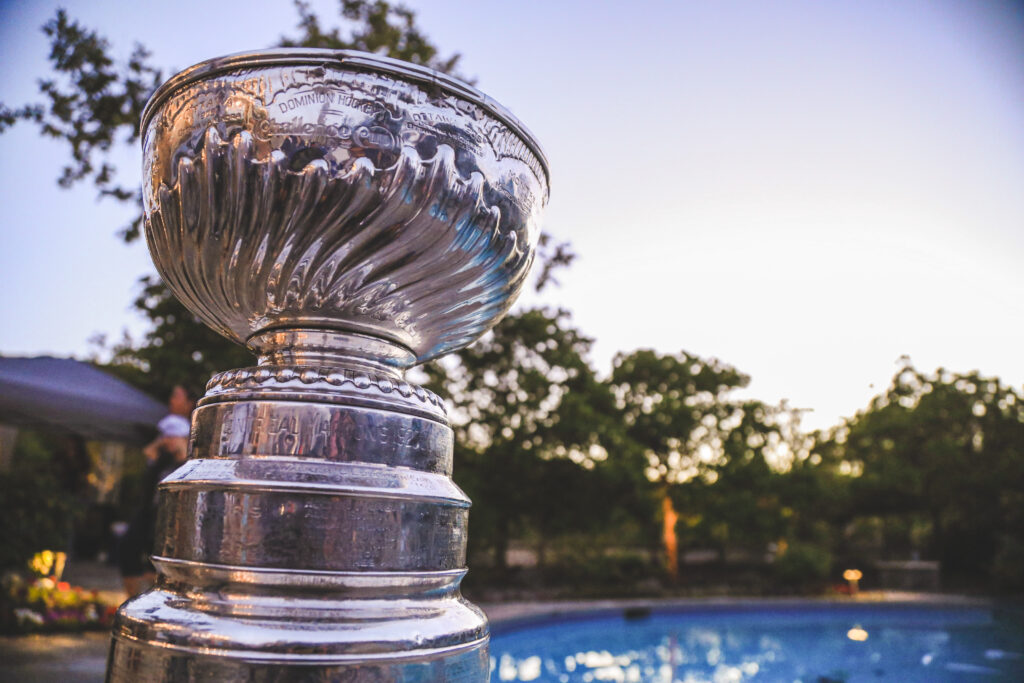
[(806, 190)]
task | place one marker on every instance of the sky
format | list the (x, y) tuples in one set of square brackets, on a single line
[(805, 190)]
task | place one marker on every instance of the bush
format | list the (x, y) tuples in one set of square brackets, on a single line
[(598, 570), (1008, 565), (803, 567), (36, 513)]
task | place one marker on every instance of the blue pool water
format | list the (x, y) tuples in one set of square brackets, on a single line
[(806, 643)]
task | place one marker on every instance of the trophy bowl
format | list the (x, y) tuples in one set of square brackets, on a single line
[(345, 216), (309, 191)]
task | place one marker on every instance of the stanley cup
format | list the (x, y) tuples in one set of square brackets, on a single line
[(346, 217)]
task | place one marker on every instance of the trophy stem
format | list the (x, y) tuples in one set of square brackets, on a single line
[(313, 347), (314, 534)]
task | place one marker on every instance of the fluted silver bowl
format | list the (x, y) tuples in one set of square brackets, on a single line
[(310, 190)]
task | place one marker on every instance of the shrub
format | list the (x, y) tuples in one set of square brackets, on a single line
[(36, 513), (1008, 565), (802, 566)]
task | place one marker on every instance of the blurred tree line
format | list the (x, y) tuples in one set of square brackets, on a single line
[(608, 482)]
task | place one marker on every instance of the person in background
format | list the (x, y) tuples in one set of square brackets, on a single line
[(164, 455)]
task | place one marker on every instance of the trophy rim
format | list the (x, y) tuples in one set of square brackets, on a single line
[(351, 60)]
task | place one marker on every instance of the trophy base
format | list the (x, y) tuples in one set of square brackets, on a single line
[(314, 534), (167, 637), (148, 664)]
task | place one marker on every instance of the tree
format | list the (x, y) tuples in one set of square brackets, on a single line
[(743, 506), (94, 103), (942, 453), (374, 26), (814, 493), (674, 408), (534, 426)]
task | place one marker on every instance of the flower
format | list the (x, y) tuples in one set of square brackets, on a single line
[(46, 603), (42, 562)]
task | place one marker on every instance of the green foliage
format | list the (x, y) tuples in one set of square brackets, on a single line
[(582, 564), (1008, 563), (748, 501), (551, 256), (92, 103), (34, 517), (941, 451), (803, 566), (34, 504), (678, 411), (537, 439), (672, 407), (379, 27), (178, 349)]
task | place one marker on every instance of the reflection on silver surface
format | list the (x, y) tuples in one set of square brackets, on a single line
[(316, 189), (346, 217)]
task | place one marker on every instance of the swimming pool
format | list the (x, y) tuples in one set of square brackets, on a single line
[(809, 643)]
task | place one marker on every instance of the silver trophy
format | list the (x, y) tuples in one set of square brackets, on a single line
[(345, 216)]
